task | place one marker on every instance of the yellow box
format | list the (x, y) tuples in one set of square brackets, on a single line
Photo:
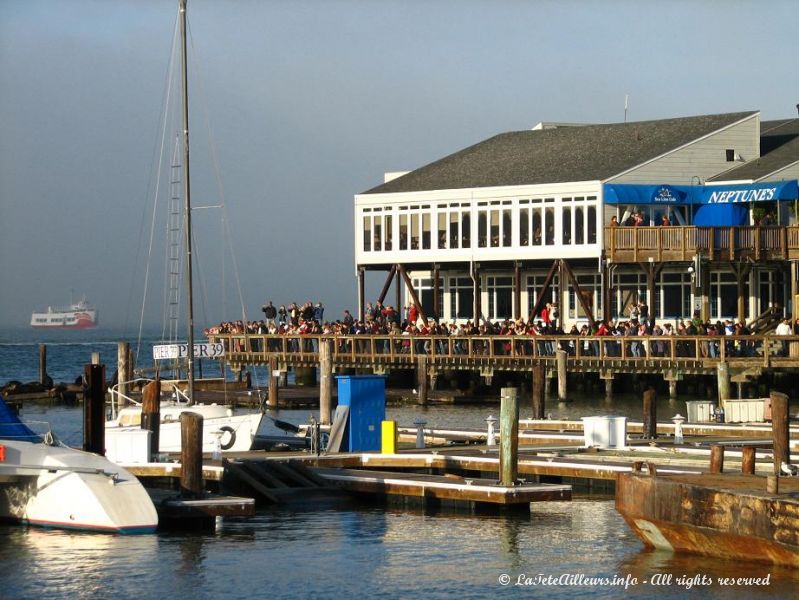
[(388, 430)]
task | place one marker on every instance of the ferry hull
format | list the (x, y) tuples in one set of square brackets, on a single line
[(725, 516)]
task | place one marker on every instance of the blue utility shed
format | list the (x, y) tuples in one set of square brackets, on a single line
[(365, 395)]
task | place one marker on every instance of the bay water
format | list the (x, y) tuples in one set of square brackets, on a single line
[(341, 548)]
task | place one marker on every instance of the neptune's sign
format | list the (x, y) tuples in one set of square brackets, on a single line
[(741, 195)]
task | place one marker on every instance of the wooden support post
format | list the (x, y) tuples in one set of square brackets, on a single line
[(361, 303), (717, 459), (517, 290), (94, 409), (672, 389), (609, 388), (123, 362), (421, 380), (325, 379), (723, 379), (43, 364), (274, 382), (509, 436), (539, 400), (561, 357), (748, 460), (779, 429), (151, 413), (650, 415), (191, 454), (772, 484)]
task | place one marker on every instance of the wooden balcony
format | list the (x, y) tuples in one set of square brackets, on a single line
[(662, 244)]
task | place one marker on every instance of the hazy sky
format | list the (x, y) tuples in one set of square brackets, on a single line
[(306, 104)]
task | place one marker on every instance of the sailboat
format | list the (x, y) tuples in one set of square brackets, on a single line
[(45, 483), (222, 429)]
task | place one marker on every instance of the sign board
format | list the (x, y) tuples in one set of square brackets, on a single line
[(172, 351)]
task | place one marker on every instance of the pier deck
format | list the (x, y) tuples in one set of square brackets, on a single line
[(442, 487)]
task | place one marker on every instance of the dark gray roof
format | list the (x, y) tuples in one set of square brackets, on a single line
[(779, 147), (583, 153)]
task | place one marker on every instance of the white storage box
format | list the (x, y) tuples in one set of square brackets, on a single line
[(700, 411), (605, 432), (127, 445), (745, 411)]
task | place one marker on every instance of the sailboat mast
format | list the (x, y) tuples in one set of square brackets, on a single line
[(187, 200)]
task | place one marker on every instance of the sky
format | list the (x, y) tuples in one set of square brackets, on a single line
[(296, 106)]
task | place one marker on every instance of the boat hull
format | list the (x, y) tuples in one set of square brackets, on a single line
[(725, 516), (222, 428), (57, 486)]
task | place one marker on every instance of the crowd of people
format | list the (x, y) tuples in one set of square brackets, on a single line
[(296, 320)]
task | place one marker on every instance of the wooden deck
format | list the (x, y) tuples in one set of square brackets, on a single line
[(673, 357), (442, 487)]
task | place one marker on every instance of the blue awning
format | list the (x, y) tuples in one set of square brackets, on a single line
[(667, 194), (721, 215)]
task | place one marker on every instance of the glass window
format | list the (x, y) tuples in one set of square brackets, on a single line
[(403, 231), (507, 228), (426, 230), (442, 230), (524, 227), (388, 232), (454, 238), (592, 224), (378, 240), (549, 224), (579, 225), (482, 229), (367, 233), (495, 229), (567, 225), (466, 229), (414, 231)]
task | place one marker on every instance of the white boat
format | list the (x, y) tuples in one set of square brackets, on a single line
[(80, 315), (47, 484), (224, 429)]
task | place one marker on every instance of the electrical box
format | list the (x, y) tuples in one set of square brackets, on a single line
[(365, 395)]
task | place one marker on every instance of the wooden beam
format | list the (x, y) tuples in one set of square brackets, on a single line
[(578, 292), (387, 284), (412, 292), (541, 299)]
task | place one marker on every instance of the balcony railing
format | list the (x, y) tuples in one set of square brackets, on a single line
[(640, 244), (514, 352)]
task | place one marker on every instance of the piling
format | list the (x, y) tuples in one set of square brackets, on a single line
[(539, 399), (191, 454), (274, 378), (421, 380), (561, 357), (672, 389), (609, 388), (772, 484), (723, 378), (748, 460), (123, 362), (325, 380), (151, 413), (509, 436), (43, 364), (93, 409), (717, 459), (779, 429), (650, 415)]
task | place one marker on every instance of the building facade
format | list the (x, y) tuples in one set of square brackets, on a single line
[(494, 231)]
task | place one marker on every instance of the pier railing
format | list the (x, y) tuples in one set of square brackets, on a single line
[(675, 243), (625, 353)]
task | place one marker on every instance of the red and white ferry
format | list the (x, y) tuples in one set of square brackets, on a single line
[(75, 316)]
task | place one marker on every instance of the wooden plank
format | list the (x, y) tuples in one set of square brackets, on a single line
[(259, 487), (441, 487)]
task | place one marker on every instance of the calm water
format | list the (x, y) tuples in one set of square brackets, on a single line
[(341, 549)]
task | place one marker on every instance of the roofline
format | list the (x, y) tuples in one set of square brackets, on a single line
[(692, 142), (782, 168)]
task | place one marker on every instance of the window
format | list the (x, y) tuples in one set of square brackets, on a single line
[(507, 228), (535, 284), (724, 295), (461, 298), (403, 232), (500, 297), (730, 153), (524, 227), (482, 229), (367, 233)]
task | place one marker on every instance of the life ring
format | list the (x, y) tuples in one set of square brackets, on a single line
[(229, 444)]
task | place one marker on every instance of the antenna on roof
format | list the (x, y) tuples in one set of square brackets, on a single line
[(626, 101)]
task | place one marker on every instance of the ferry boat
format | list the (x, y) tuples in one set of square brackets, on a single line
[(75, 316)]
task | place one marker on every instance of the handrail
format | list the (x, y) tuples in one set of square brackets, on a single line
[(681, 243), (503, 348)]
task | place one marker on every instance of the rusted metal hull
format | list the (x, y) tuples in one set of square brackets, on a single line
[(723, 515)]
